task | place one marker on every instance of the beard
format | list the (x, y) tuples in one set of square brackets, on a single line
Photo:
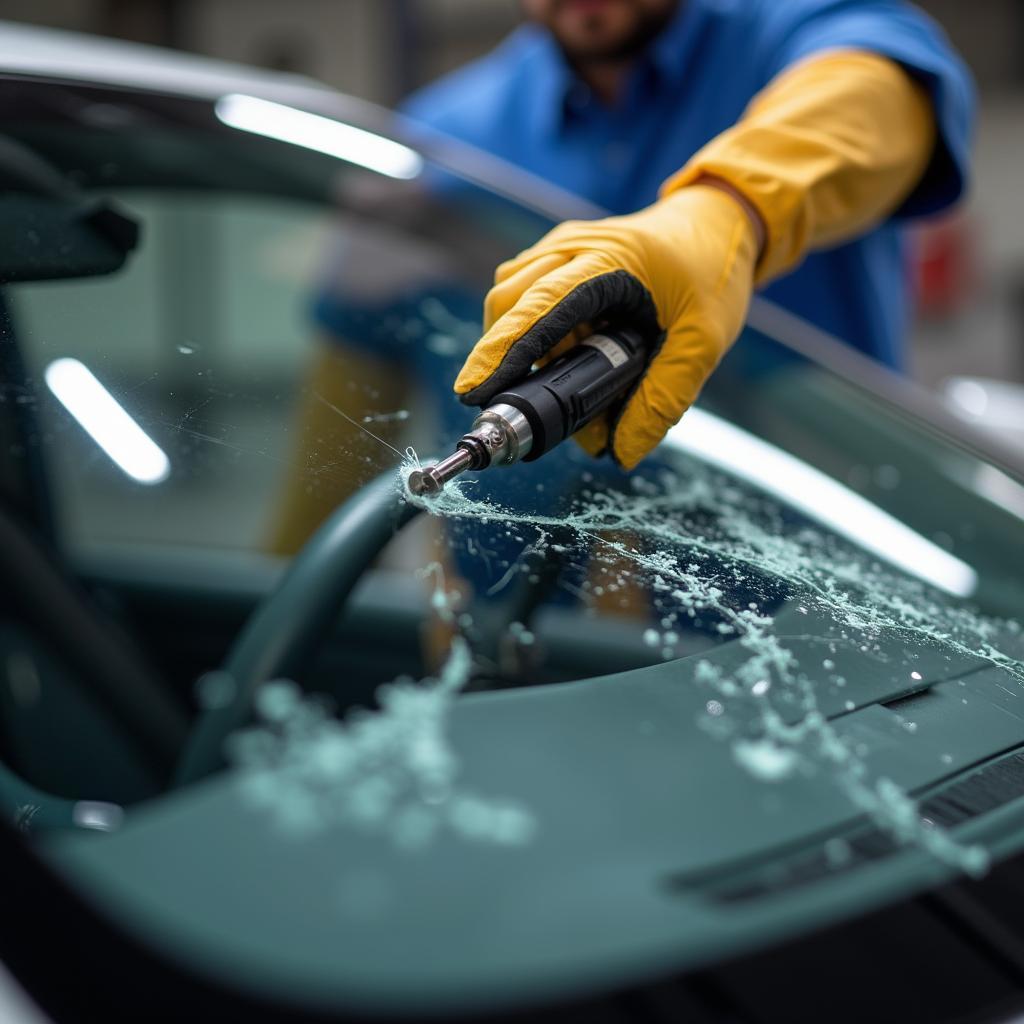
[(599, 48)]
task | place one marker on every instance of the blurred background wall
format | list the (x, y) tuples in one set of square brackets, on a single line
[(969, 267)]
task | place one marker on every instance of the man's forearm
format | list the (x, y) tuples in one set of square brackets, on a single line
[(832, 146)]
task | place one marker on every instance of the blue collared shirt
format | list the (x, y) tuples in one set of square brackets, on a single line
[(522, 102)]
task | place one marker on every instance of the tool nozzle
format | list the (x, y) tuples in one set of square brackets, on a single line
[(500, 436), (430, 480)]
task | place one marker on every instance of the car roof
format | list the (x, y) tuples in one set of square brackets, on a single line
[(33, 51), (28, 49)]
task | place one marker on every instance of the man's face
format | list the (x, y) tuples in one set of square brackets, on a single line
[(596, 30)]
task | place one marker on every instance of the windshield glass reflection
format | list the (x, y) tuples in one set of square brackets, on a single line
[(289, 328)]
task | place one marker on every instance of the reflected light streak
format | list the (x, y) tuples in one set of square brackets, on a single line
[(829, 502), (106, 422), (996, 405), (97, 815), (323, 134), (1000, 489)]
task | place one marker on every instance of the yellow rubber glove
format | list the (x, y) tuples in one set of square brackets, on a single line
[(684, 264), (827, 149)]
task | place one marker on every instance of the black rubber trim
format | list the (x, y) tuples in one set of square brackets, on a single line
[(617, 296), (994, 786), (984, 790)]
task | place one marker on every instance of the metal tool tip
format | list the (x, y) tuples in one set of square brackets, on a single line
[(430, 480), (422, 482)]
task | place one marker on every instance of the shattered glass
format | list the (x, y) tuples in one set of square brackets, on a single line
[(695, 543), (799, 549)]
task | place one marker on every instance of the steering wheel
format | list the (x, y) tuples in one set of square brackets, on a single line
[(281, 637)]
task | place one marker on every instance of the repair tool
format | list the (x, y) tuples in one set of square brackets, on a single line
[(529, 419)]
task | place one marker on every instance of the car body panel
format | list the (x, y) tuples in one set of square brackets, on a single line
[(656, 850), (646, 821)]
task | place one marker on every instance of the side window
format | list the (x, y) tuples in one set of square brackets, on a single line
[(191, 397)]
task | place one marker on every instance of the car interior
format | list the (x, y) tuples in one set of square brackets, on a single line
[(271, 325)]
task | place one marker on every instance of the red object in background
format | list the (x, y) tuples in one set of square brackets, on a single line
[(942, 265)]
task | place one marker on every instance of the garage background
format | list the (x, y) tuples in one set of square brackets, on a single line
[(969, 267)]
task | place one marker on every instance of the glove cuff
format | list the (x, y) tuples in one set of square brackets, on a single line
[(830, 147)]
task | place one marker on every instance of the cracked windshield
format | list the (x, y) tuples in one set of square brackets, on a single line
[(828, 574)]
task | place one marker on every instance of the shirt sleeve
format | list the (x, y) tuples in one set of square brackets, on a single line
[(797, 29)]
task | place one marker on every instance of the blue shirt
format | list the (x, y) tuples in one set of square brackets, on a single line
[(523, 103)]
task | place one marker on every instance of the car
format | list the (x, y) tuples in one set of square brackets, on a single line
[(736, 737), (992, 404)]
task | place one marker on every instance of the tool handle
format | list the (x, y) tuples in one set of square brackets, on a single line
[(570, 391)]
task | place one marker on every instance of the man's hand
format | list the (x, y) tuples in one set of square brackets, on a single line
[(682, 268), (827, 150)]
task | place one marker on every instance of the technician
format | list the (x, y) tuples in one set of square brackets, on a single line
[(743, 144)]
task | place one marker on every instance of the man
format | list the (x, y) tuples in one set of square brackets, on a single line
[(762, 142)]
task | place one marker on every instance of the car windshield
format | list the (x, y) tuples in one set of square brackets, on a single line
[(288, 328)]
